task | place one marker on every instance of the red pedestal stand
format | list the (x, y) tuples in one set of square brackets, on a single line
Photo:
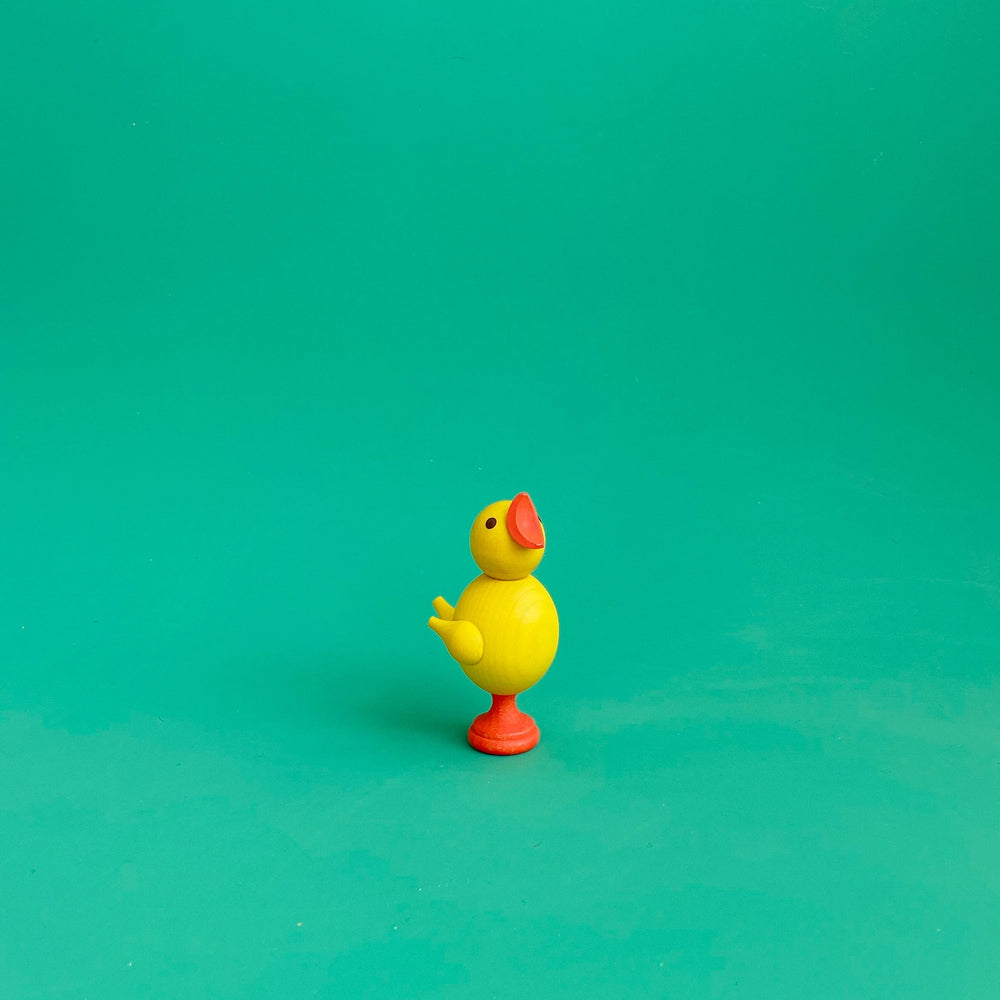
[(504, 729)]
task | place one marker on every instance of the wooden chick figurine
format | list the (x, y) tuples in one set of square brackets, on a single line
[(504, 630)]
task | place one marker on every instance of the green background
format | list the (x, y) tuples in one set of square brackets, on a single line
[(288, 292)]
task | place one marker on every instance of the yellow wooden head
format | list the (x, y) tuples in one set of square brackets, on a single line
[(507, 539)]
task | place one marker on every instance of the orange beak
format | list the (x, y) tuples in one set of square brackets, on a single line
[(523, 523)]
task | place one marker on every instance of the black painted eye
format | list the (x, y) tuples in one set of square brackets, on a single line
[(491, 522)]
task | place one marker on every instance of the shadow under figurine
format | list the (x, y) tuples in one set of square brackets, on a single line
[(504, 630)]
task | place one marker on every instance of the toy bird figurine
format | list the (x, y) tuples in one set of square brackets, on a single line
[(504, 630)]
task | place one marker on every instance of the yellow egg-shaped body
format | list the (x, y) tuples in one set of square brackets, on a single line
[(520, 629)]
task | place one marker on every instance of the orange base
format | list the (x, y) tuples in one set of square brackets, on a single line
[(504, 729)]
